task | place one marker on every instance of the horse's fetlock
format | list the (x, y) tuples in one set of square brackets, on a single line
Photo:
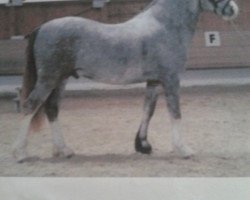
[(20, 154), (63, 152), (184, 151), (142, 146)]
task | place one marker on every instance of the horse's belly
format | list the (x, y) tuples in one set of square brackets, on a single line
[(129, 75), (121, 74)]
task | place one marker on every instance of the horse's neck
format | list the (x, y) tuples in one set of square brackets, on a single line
[(176, 12)]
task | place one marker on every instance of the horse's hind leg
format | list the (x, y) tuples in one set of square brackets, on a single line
[(141, 143), (20, 145), (32, 107), (171, 85), (52, 110)]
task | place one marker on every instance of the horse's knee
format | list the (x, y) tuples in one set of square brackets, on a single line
[(171, 85), (174, 106)]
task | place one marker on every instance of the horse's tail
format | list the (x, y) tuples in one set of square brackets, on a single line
[(29, 80)]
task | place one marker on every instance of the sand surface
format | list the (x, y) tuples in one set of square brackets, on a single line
[(100, 127)]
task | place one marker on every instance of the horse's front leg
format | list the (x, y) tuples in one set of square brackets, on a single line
[(141, 143), (171, 85)]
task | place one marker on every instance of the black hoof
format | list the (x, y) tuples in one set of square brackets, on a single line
[(142, 146)]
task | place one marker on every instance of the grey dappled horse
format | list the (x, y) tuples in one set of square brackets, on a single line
[(151, 47)]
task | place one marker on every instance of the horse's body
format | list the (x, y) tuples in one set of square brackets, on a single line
[(151, 47), (124, 53)]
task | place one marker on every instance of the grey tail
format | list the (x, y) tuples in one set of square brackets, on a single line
[(30, 78), (29, 74)]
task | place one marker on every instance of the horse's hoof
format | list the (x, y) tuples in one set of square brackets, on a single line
[(20, 155), (185, 152), (142, 146), (64, 152), (68, 153)]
